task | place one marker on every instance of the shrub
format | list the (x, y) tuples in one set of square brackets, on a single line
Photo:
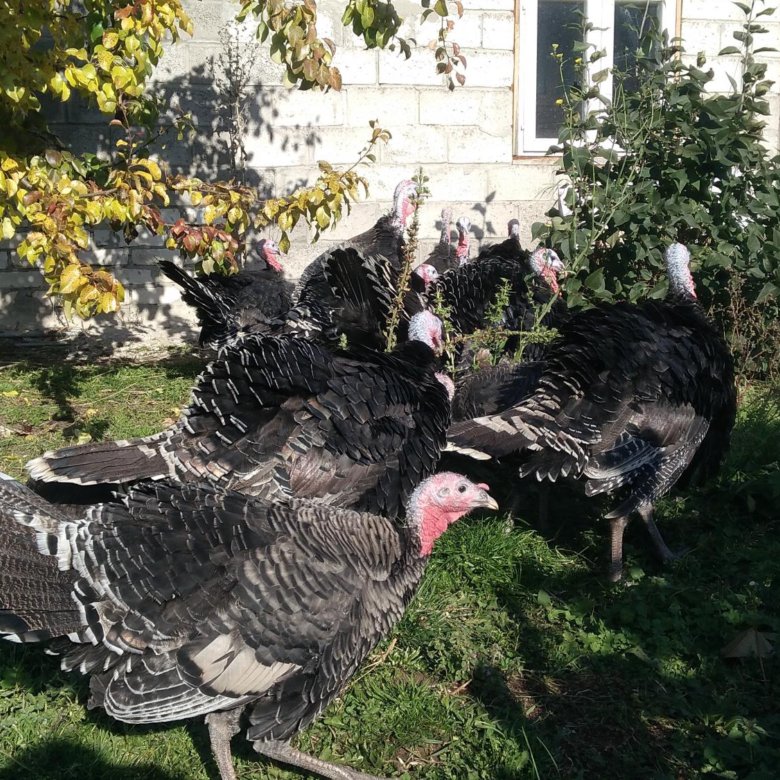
[(662, 161)]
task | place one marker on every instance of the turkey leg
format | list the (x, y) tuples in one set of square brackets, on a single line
[(286, 754), (223, 726), (661, 547), (617, 527)]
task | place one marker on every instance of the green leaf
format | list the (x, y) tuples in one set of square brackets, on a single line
[(367, 17), (768, 292), (595, 280)]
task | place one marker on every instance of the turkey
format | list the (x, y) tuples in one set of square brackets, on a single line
[(442, 255), (494, 388), (361, 298), (384, 239), (508, 248), (631, 397), (445, 256), (227, 305), (463, 226), (470, 292), (187, 600), (279, 416), (423, 277), (355, 283)]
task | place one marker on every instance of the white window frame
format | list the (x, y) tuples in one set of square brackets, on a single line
[(601, 13)]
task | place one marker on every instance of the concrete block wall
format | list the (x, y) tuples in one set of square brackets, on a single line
[(462, 139), (708, 26)]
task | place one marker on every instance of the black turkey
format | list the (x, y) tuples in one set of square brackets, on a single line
[(279, 416), (445, 256), (469, 295), (630, 398), (187, 600), (226, 305), (356, 282), (384, 239), (510, 247), (494, 388), (360, 297)]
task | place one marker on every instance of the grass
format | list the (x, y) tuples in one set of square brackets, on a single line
[(516, 660)]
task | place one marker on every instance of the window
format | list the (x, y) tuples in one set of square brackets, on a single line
[(548, 23)]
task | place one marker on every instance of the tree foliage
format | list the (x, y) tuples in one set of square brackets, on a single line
[(663, 159), (102, 53)]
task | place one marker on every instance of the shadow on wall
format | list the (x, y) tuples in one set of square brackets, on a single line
[(233, 115), (231, 110), (29, 320)]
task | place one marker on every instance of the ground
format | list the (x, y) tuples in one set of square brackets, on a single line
[(516, 660)]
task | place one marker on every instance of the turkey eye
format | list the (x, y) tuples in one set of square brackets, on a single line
[(462, 489)]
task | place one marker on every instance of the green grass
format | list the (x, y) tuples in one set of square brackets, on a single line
[(516, 660)]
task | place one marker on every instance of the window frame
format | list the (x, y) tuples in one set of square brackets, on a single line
[(602, 14)]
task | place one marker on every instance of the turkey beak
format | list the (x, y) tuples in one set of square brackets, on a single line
[(484, 499)]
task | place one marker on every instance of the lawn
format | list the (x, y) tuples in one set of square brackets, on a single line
[(516, 660)]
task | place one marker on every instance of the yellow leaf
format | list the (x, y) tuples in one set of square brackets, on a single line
[(87, 295), (107, 302), (162, 193), (77, 54), (284, 220), (154, 169), (94, 211), (104, 58), (322, 217), (16, 93), (121, 76), (8, 228), (209, 214), (59, 86), (10, 393), (71, 279), (110, 39)]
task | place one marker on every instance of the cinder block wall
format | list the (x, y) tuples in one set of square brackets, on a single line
[(463, 140), (708, 27)]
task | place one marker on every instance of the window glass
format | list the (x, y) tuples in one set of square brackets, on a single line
[(559, 22), (631, 22)]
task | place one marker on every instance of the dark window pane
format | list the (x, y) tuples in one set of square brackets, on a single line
[(560, 22), (632, 22)]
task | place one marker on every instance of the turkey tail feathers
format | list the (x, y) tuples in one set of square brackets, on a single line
[(35, 595), (213, 314), (111, 461)]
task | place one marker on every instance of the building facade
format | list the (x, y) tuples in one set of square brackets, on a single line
[(482, 145)]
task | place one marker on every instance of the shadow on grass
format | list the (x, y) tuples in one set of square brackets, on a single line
[(628, 680), (60, 759)]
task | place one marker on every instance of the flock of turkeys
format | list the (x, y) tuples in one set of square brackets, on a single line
[(272, 536)]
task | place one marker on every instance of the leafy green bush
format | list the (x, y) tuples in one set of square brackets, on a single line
[(665, 160)]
